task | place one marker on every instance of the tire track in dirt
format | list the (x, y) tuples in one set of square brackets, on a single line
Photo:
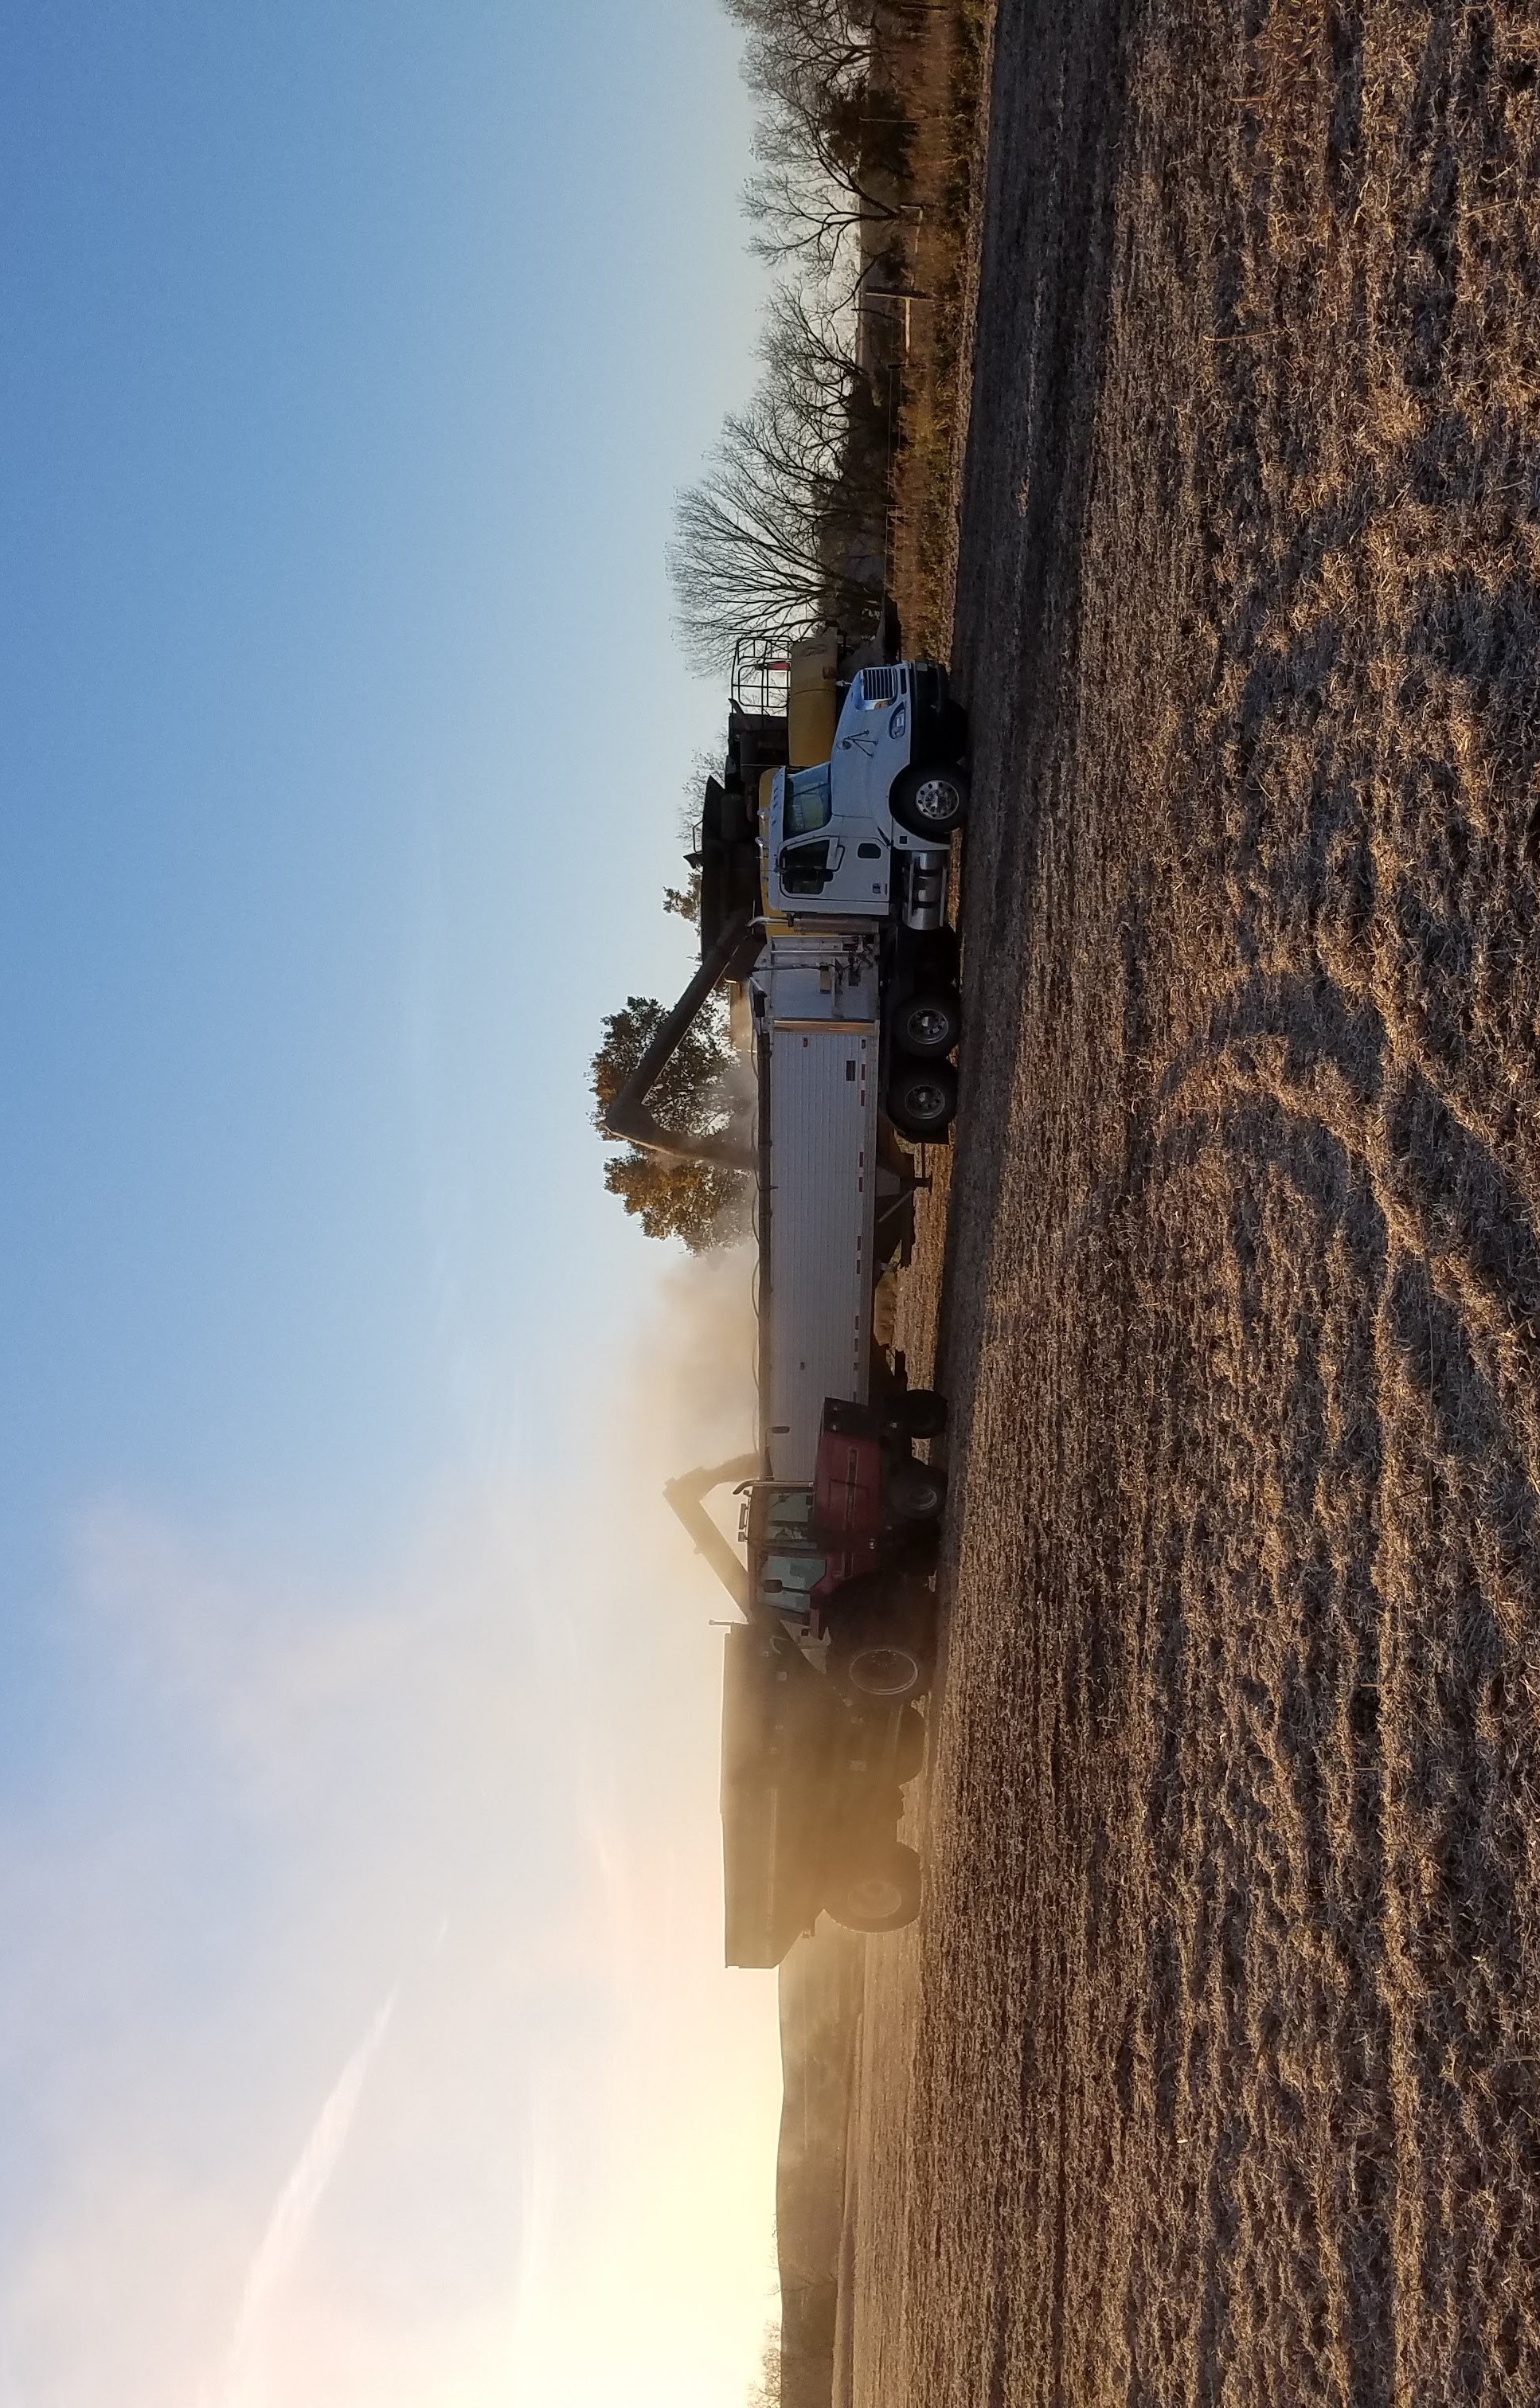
[(1213, 2071)]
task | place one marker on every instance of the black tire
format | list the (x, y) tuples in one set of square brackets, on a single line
[(881, 1640), (931, 803), (916, 1551), (876, 1887), (915, 1413), (883, 1669), (922, 1100), (929, 1025), (855, 1602), (916, 1492)]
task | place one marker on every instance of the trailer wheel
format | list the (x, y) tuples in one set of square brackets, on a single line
[(877, 1888), (915, 1413), (930, 802), (922, 1097), (916, 1492), (929, 1025)]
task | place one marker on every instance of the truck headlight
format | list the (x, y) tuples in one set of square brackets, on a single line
[(899, 721)]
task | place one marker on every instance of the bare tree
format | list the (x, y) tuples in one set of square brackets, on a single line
[(685, 901), (832, 38), (785, 531), (767, 2391), (807, 345), (770, 541), (818, 197), (828, 187)]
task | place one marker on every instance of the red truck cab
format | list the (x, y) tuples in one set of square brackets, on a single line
[(803, 1543)]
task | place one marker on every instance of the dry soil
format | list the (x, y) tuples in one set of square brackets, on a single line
[(1213, 2071)]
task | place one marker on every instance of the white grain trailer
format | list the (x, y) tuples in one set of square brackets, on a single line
[(816, 1021)]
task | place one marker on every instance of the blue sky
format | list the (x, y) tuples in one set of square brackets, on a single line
[(353, 355)]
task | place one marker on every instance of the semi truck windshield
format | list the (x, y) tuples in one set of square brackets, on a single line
[(808, 804)]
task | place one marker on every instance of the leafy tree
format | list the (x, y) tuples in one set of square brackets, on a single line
[(693, 1201), (698, 1202), (685, 901)]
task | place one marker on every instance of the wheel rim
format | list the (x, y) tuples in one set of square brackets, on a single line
[(935, 800), (884, 1672), (926, 1099), (931, 1026), (925, 1499), (874, 1898)]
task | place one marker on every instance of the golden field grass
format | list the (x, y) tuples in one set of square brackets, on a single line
[(940, 77), (1213, 2072)]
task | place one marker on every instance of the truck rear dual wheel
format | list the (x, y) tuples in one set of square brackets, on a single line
[(914, 1412), (930, 802), (876, 1889), (922, 1099), (916, 1492), (929, 1025)]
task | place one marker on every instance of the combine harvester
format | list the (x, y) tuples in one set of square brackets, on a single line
[(824, 868)]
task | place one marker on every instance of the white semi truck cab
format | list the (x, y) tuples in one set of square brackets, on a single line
[(864, 835)]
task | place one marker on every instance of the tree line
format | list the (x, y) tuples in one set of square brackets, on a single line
[(784, 532)]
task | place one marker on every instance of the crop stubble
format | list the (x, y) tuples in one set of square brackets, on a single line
[(1212, 2073)]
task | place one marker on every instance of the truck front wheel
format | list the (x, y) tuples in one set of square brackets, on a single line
[(930, 802), (922, 1097), (877, 1888)]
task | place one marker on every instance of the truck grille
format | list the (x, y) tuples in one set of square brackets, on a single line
[(882, 684)]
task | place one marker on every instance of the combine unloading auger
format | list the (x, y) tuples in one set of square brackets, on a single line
[(628, 1118), (687, 1496)]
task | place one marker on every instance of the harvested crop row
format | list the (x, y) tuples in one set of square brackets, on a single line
[(1213, 2071)]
